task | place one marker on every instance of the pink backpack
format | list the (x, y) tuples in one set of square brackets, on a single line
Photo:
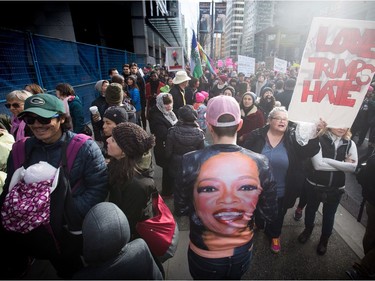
[(27, 208)]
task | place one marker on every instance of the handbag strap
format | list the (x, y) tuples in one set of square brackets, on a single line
[(149, 210)]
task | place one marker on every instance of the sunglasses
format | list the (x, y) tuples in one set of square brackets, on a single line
[(15, 105), (30, 120)]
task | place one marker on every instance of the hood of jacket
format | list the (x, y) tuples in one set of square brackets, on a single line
[(105, 232)]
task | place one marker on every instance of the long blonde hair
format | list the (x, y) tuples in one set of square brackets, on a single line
[(346, 136)]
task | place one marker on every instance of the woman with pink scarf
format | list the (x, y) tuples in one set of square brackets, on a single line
[(15, 103)]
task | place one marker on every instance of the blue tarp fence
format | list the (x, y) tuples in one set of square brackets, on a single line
[(29, 58)]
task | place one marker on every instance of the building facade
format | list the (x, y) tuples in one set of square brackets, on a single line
[(144, 27)]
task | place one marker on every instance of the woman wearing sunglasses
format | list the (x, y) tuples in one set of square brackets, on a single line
[(15, 103)]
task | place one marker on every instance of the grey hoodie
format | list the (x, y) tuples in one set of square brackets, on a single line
[(107, 250)]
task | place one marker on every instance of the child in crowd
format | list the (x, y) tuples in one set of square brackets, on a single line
[(200, 107)]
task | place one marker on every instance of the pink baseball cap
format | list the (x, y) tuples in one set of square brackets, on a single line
[(220, 105)]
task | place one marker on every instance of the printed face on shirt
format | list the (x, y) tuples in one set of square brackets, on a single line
[(108, 126), (226, 192), (113, 149)]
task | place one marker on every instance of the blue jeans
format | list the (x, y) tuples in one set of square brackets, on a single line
[(230, 268), (330, 201)]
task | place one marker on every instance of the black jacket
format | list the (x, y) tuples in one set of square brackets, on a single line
[(98, 126), (182, 138), (330, 178), (178, 98), (297, 154), (159, 126)]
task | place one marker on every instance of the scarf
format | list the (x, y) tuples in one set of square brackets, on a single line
[(169, 115), (246, 110), (144, 163), (18, 128)]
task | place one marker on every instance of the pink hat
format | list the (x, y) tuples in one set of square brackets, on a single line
[(370, 89), (205, 94), (199, 97), (223, 78), (219, 106)]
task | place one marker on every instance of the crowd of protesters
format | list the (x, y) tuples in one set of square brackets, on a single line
[(166, 114)]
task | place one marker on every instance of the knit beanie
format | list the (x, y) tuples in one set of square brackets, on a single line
[(251, 94), (206, 95), (114, 94), (199, 97), (264, 90), (187, 113), (132, 139), (116, 114), (99, 84), (230, 88)]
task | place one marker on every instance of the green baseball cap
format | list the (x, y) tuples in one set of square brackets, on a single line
[(44, 105)]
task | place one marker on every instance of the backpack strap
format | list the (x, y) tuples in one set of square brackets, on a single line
[(18, 153), (18, 150), (73, 147)]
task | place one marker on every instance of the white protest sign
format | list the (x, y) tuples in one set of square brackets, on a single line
[(246, 65), (280, 65), (174, 58), (337, 66)]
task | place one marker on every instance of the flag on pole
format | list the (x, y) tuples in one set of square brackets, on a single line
[(206, 60), (195, 61)]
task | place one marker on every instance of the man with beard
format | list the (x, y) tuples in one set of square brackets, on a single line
[(267, 101), (152, 90)]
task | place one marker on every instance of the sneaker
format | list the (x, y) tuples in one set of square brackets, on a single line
[(305, 235), (275, 245), (298, 214)]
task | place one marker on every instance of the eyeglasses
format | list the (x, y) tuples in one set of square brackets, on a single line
[(30, 120), (15, 105), (280, 119)]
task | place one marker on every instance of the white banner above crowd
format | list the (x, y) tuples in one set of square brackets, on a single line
[(337, 67)]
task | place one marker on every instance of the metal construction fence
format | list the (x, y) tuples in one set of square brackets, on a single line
[(29, 58)]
